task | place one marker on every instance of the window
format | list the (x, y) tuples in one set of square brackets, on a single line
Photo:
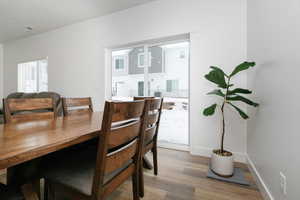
[(120, 62), (172, 85), (182, 55), (141, 60), (141, 88), (33, 76)]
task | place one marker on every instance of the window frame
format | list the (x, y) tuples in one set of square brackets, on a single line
[(37, 80), (139, 65)]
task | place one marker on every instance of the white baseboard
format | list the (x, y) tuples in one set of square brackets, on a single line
[(259, 181), (168, 145), (206, 152)]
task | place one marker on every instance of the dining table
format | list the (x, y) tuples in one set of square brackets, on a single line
[(26, 141)]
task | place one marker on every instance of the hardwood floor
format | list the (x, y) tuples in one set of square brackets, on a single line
[(183, 177)]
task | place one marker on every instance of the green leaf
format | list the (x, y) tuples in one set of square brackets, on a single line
[(217, 92), (243, 99), (242, 113), (217, 77), (241, 67), (239, 91), (220, 70), (210, 110)]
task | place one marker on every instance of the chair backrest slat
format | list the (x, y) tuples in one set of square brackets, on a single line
[(29, 104), (120, 144), (153, 118), (76, 106), (123, 133), (149, 134), (32, 117), (119, 158), (126, 111), (154, 114), (28, 109)]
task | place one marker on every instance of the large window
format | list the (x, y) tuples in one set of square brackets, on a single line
[(33, 76)]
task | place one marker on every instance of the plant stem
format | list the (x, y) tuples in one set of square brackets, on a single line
[(223, 116), (223, 128)]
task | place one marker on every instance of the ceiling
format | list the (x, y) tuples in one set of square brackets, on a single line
[(45, 15)]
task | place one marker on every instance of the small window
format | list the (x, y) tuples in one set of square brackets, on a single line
[(172, 85), (33, 76), (120, 63), (182, 55), (142, 59)]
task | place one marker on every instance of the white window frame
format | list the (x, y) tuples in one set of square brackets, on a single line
[(37, 81)]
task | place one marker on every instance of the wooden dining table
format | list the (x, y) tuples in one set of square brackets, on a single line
[(21, 142), (26, 141)]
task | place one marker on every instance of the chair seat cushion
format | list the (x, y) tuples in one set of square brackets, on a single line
[(77, 171), (10, 193)]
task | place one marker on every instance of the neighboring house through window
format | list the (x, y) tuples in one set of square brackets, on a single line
[(33, 76)]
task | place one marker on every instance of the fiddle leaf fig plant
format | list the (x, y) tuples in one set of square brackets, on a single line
[(228, 94)]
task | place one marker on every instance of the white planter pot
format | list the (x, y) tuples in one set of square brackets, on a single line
[(222, 165)]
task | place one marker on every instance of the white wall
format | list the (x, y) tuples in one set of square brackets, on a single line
[(273, 131), (1, 74), (76, 55)]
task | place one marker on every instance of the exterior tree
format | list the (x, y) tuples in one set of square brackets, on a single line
[(228, 94)]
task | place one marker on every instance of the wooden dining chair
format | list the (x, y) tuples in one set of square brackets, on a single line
[(29, 109), (23, 110), (94, 175), (152, 126), (73, 106)]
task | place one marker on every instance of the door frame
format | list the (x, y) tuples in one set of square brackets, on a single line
[(148, 43)]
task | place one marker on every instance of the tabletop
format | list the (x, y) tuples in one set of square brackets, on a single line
[(21, 142)]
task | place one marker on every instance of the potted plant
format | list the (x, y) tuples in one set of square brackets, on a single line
[(222, 160)]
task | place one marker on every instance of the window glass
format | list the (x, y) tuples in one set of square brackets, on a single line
[(119, 63), (33, 76), (172, 85)]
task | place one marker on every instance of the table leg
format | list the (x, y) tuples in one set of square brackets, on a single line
[(146, 163)]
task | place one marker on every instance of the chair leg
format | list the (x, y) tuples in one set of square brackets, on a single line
[(37, 187), (49, 193), (135, 186), (46, 190), (141, 182), (154, 151)]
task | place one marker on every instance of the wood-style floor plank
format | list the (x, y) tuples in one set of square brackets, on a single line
[(182, 176)]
